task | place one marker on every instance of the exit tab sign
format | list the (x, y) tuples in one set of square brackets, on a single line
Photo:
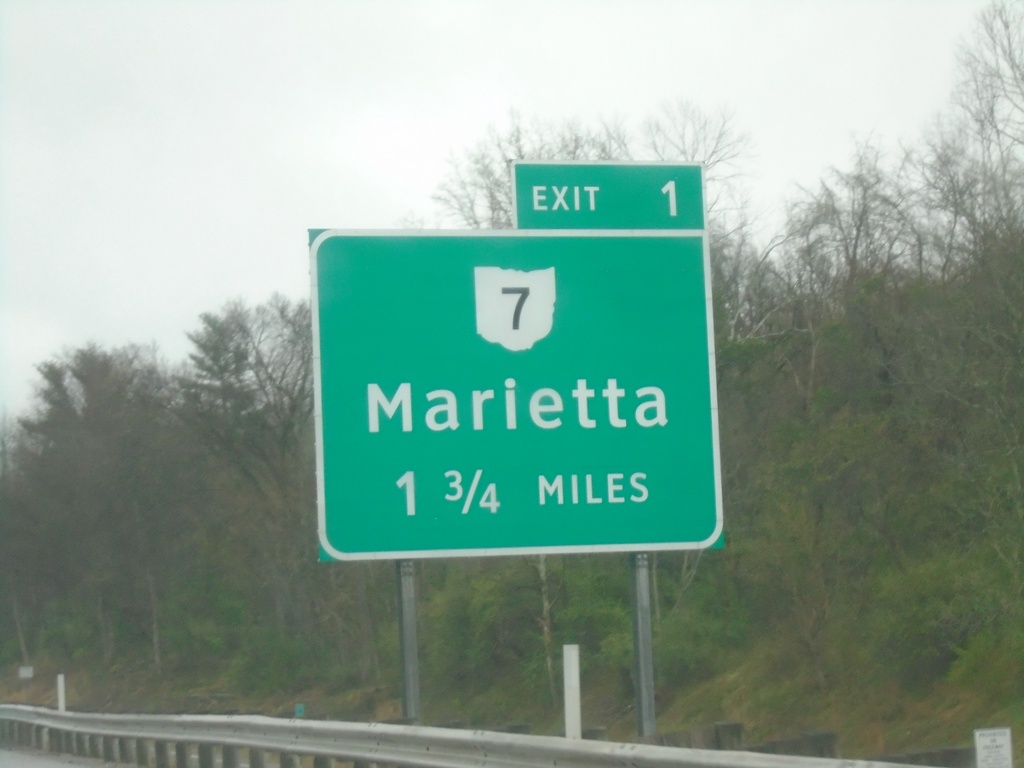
[(608, 195)]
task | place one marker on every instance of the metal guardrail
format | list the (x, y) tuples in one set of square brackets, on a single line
[(167, 740)]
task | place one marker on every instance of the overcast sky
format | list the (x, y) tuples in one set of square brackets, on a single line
[(158, 159)]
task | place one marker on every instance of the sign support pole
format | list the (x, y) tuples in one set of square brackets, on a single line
[(407, 640), (643, 647)]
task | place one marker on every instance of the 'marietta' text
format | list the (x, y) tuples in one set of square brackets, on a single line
[(546, 408)]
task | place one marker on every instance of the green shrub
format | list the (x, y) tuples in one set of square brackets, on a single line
[(989, 663), (690, 640), (270, 663), (925, 612)]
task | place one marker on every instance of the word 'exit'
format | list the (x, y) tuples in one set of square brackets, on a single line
[(561, 199)]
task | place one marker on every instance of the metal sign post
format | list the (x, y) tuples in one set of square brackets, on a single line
[(407, 640), (643, 645)]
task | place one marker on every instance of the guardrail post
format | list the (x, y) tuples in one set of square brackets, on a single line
[(109, 744), (289, 760), (319, 761), (257, 758), (728, 735), (142, 752), (822, 743), (181, 755), (205, 756), (228, 756), (123, 749), (163, 754)]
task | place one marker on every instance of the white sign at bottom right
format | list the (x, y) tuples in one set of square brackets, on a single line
[(992, 748)]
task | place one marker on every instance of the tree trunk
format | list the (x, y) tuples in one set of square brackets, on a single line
[(546, 627), (106, 631), (20, 629), (369, 670), (155, 620)]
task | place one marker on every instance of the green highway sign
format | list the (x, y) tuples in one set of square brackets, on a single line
[(490, 393), (587, 195)]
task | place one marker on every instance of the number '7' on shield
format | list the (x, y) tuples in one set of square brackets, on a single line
[(515, 309)]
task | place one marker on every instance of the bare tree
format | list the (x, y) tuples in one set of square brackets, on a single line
[(100, 492), (991, 97), (682, 132), (249, 395), (477, 192)]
